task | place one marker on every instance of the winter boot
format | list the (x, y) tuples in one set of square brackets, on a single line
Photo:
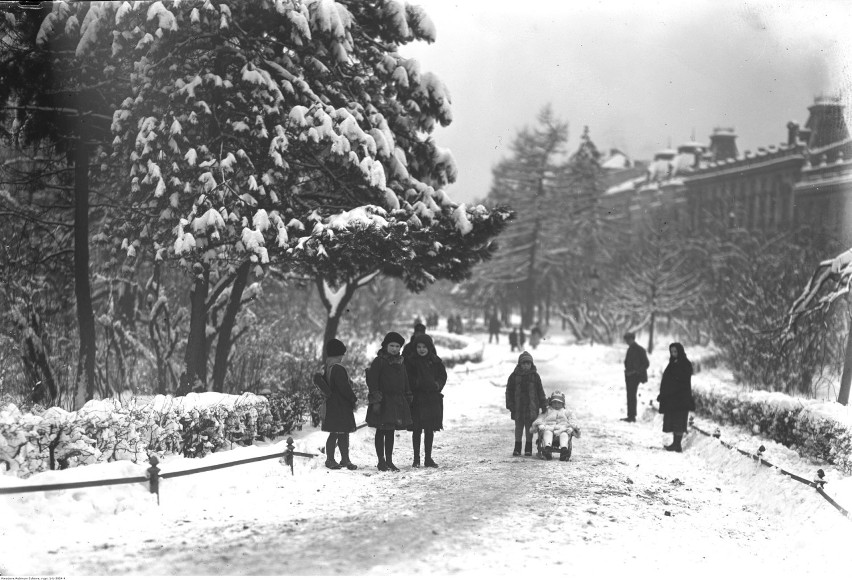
[(429, 463), (564, 454), (332, 464), (675, 446), (517, 451), (528, 448), (343, 443), (547, 452), (382, 466)]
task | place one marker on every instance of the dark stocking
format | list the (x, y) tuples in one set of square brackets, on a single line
[(427, 440), (343, 443), (415, 442), (380, 444), (389, 438), (330, 445)]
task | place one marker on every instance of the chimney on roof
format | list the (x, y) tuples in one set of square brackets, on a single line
[(723, 144), (826, 122), (792, 133)]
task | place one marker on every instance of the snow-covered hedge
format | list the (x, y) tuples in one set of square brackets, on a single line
[(457, 348), (822, 430), (108, 430)]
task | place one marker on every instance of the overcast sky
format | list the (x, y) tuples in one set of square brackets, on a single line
[(641, 75)]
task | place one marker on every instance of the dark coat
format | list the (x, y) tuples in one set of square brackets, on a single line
[(427, 377), (636, 363), (340, 406), (390, 393), (524, 394), (676, 387)]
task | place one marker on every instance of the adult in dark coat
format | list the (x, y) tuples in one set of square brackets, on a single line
[(390, 398), (494, 329), (339, 420), (427, 377), (524, 398), (635, 372), (676, 395)]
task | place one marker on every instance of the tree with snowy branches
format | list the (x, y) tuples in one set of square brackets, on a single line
[(656, 282), (528, 258), (249, 127), (61, 97), (829, 284)]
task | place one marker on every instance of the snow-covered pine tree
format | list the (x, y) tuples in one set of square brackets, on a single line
[(247, 124)]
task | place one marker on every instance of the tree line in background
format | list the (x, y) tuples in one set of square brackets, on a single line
[(569, 258), (178, 178)]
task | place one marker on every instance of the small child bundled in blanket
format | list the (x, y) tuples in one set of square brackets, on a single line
[(556, 422)]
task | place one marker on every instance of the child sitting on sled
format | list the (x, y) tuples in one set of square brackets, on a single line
[(556, 422)]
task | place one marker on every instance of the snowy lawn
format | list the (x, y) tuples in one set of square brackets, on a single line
[(621, 504)]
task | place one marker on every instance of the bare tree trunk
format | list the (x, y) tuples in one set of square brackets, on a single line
[(846, 377), (651, 332), (334, 312), (223, 345), (85, 383), (195, 357)]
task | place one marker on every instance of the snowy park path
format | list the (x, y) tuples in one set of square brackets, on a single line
[(482, 510)]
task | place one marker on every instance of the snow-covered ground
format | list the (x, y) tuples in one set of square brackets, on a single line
[(621, 505)]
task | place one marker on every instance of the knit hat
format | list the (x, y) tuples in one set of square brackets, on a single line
[(525, 357), (393, 337), (335, 348), (557, 396)]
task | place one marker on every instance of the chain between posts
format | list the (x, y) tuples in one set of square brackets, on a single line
[(818, 483)]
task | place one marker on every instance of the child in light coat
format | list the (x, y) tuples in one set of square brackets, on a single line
[(556, 422)]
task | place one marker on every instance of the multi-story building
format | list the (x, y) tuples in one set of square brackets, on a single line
[(805, 180)]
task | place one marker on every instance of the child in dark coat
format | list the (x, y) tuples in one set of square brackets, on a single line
[(524, 398), (427, 376), (390, 398), (339, 420)]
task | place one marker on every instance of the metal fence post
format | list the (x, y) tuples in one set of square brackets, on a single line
[(154, 476), (288, 454)]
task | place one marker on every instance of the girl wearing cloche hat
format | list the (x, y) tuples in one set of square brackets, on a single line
[(339, 419), (390, 398)]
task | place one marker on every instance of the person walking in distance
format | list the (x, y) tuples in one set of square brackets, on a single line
[(524, 398), (635, 372), (427, 376), (675, 396), (390, 398), (494, 329), (339, 420)]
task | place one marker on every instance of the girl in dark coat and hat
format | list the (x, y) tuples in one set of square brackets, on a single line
[(339, 420), (390, 398), (524, 398), (427, 377), (676, 395)]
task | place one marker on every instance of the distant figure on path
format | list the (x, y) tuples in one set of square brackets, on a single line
[(535, 336), (427, 377), (522, 339), (635, 372), (339, 420), (676, 395), (419, 330), (494, 329), (524, 398), (390, 398), (513, 340)]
